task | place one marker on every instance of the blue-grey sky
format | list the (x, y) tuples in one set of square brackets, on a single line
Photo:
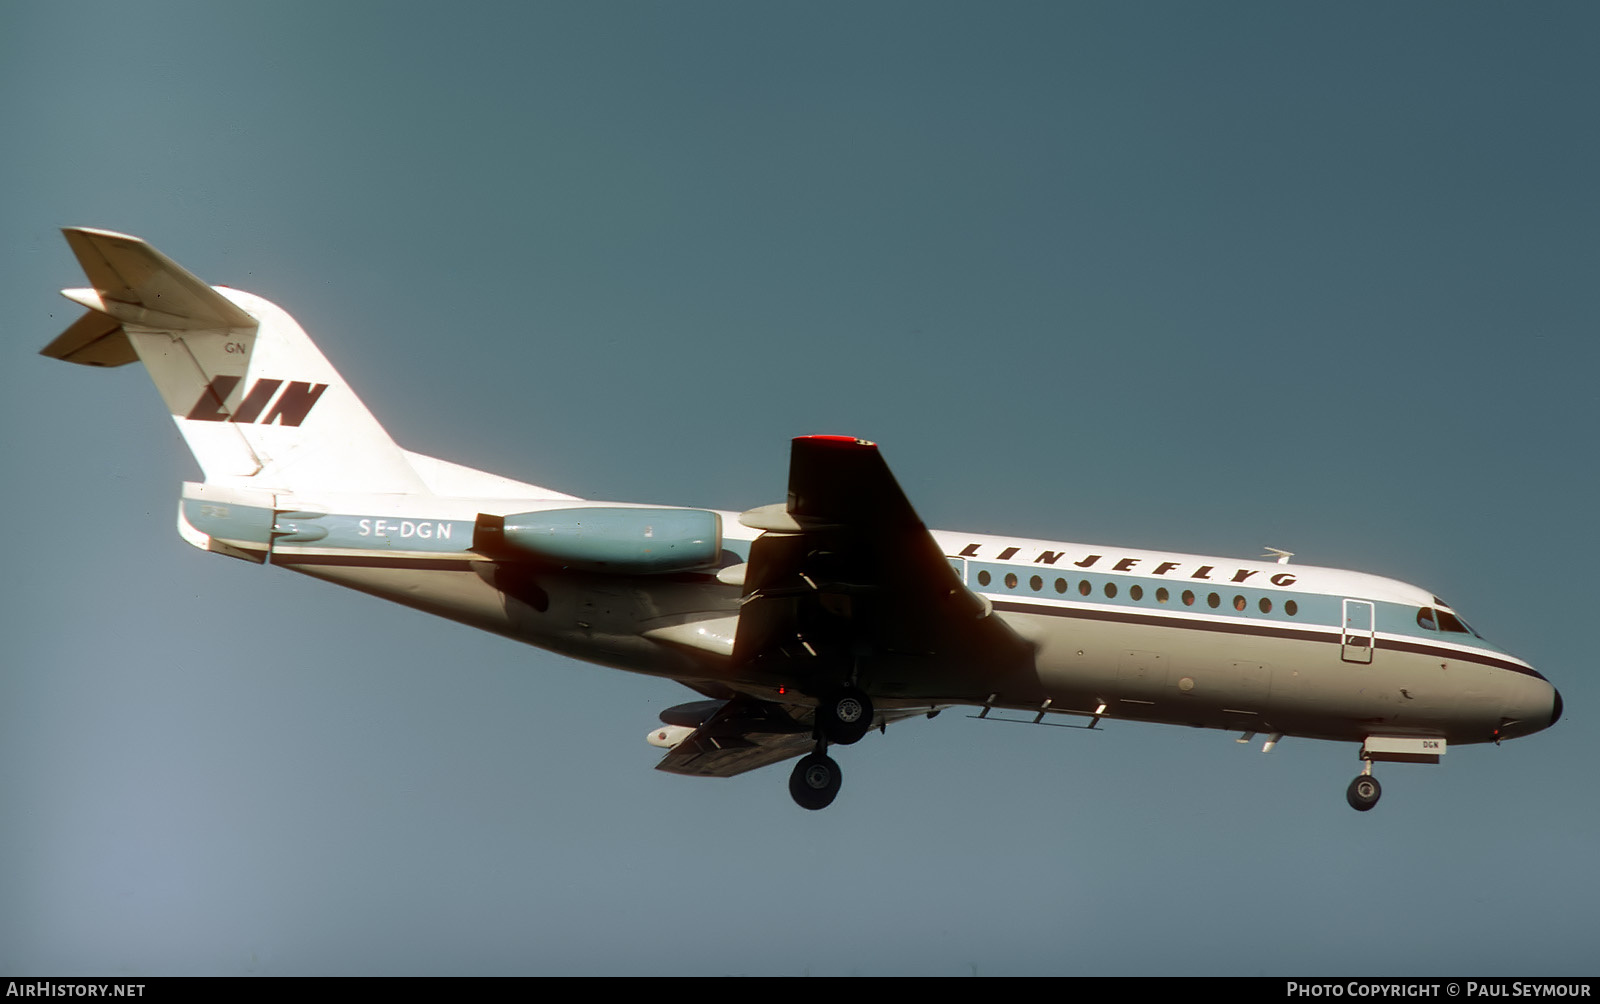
[(1184, 276)]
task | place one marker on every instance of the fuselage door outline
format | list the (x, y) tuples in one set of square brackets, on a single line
[(1357, 637)]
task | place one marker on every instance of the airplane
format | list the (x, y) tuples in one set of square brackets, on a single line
[(801, 625)]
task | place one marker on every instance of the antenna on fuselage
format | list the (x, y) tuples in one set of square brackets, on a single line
[(1282, 556)]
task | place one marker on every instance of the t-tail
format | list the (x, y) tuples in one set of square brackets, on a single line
[(270, 421)]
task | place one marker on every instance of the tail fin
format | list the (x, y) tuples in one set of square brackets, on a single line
[(259, 406)]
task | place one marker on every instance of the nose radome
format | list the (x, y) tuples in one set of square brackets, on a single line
[(1533, 706)]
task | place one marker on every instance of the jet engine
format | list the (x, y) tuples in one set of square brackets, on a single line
[(628, 541)]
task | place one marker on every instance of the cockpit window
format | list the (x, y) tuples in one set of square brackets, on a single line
[(1450, 622), (1444, 620), (1470, 629)]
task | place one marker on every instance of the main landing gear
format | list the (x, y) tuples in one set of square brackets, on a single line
[(843, 717), (815, 781)]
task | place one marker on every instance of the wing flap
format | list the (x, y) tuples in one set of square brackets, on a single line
[(745, 733), (708, 757), (741, 735)]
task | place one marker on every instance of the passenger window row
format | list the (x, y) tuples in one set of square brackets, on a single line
[(1136, 592)]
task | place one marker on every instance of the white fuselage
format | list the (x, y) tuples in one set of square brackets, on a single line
[(1118, 632)]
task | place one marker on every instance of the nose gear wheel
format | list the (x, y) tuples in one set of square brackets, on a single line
[(1363, 792)]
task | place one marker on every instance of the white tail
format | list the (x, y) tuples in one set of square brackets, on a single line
[(258, 404)]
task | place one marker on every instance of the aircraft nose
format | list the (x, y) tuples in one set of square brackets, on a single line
[(1532, 706)]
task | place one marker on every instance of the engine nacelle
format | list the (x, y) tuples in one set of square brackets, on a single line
[(629, 541)]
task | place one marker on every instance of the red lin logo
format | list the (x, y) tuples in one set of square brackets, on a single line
[(290, 408)]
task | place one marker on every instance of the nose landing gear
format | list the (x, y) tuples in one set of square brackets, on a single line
[(1364, 791)]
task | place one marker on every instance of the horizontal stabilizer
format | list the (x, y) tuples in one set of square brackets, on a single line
[(136, 284), (93, 340)]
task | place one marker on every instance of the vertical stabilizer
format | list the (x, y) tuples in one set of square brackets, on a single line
[(257, 403)]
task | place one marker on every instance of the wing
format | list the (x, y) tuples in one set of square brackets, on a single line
[(742, 734), (734, 736), (846, 584)]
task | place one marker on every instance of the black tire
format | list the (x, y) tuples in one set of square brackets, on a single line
[(1363, 792), (845, 716), (815, 781)]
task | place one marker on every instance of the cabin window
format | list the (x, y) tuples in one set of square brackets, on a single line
[(1188, 597), (1162, 594), (1425, 619), (1037, 583), (1011, 580), (1061, 585), (1111, 590), (1084, 589), (1239, 603), (1136, 592), (1214, 601), (983, 578), (1290, 607), (1266, 605)]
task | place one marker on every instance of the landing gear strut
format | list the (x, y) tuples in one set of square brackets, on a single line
[(815, 781), (843, 717), (1364, 791)]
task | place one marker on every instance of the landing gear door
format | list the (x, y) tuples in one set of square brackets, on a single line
[(1357, 637)]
